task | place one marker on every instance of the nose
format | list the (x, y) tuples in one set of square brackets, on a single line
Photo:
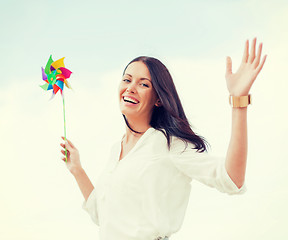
[(130, 88)]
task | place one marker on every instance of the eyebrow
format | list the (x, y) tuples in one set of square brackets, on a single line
[(140, 78)]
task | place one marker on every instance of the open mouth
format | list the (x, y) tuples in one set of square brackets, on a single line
[(130, 100)]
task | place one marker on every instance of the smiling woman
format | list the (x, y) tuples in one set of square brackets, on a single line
[(143, 192), (137, 95), (148, 78)]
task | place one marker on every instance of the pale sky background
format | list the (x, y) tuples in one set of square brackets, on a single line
[(40, 199)]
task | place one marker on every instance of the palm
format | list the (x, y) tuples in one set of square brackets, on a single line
[(239, 83), (73, 158)]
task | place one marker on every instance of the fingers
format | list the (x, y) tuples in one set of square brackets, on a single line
[(252, 51), (252, 58), (63, 152), (69, 144), (246, 52), (258, 69), (228, 66), (258, 56)]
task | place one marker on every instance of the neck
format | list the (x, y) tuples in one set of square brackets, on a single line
[(137, 125)]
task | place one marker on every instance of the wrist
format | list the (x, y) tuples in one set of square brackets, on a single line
[(240, 101), (76, 171)]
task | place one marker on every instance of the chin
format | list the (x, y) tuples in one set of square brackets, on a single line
[(128, 113)]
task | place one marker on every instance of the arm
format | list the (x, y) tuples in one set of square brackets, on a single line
[(239, 84), (74, 166), (83, 182), (237, 151)]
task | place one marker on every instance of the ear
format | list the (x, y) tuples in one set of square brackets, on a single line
[(158, 103)]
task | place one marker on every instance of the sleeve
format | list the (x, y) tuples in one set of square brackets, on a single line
[(90, 206), (202, 167)]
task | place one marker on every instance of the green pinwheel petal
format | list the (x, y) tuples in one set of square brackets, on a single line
[(47, 68), (45, 86)]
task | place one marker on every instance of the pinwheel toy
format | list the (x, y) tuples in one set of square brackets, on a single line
[(55, 76)]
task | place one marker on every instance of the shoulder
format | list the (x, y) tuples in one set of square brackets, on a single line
[(156, 142), (159, 135), (177, 144), (181, 146)]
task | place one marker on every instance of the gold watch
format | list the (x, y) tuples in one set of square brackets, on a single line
[(239, 101)]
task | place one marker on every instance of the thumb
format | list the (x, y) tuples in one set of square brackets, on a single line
[(228, 66), (68, 144)]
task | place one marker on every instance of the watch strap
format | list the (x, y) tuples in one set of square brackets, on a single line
[(240, 101)]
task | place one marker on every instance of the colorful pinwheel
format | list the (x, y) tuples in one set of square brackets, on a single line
[(55, 75)]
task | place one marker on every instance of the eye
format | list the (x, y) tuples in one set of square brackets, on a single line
[(126, 80), (144, 85)]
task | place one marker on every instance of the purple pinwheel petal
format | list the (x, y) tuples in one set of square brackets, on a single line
[(52, 68), (66, 72), (44, 76)]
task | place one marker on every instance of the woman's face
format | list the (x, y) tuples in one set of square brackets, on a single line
[(137, 96)]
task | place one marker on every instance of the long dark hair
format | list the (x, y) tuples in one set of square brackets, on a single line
[(170, 115)]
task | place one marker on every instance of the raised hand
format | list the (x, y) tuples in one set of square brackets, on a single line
[(239, 83), (73, 159)]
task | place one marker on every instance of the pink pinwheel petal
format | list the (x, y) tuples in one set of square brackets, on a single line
[(66, 72)]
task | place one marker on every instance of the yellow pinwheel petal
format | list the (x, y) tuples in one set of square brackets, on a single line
[(59, 63), (67, 84)]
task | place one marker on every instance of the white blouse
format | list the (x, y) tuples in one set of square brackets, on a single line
[(145, 195)]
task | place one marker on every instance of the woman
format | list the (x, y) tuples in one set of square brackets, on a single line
[(143, 192)]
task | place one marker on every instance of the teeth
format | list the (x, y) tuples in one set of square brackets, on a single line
[(130, 100)]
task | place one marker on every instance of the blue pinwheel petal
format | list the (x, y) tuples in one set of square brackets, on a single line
[(50, 87), (60, 84)]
